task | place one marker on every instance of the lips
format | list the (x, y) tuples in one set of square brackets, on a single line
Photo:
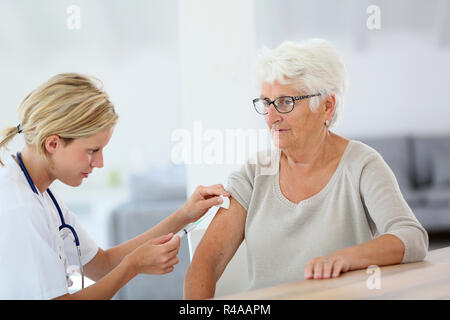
[(280, 130)]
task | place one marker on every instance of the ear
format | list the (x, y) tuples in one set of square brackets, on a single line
[(52, 143), (330, 103)]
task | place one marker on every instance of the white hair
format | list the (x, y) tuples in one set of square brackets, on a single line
[(312, 66)]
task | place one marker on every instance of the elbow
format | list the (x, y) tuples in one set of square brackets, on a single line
[(419, 254), (422, 244), (415, 241), (199, 281)]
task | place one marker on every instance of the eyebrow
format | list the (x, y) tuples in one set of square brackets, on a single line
[(283, 95)]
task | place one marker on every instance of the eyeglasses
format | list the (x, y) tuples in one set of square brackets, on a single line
[(283, 104)]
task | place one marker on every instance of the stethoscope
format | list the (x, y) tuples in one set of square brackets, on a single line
[(63, 223)]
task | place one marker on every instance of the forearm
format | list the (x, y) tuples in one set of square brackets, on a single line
[(384, 250), (106, 287), (172, 223)]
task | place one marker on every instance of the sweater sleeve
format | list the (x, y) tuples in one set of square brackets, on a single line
[(388, 209), (240, 184)]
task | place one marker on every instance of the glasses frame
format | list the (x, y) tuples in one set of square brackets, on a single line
[(294, 98)]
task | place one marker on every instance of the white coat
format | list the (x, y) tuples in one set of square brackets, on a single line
[(34, 256)]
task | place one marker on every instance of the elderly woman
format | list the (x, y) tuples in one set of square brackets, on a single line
[(333, 204)]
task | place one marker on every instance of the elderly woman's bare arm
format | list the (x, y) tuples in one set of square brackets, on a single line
[(217, 247)]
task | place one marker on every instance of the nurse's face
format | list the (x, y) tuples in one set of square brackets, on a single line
[(74, 161)]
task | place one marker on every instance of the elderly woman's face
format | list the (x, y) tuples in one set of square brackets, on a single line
[(296, 127)]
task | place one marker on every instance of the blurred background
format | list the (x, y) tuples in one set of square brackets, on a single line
[(188, 66)]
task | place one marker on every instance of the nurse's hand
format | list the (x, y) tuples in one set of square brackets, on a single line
[(156, 256), (201, 200)]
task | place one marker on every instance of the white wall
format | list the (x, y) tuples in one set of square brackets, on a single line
[(217, 67)]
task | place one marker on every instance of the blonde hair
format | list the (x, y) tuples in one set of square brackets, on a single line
[(69, 105)]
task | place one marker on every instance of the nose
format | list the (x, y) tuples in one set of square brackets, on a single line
[(273, 115), (97, 161)]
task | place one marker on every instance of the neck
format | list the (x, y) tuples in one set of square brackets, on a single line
[(38, 168), (310, 153)]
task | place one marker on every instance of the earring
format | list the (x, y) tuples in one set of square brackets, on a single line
[(327, 123)]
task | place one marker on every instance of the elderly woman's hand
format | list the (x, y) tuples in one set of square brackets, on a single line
[(326, 267), (201, 200)]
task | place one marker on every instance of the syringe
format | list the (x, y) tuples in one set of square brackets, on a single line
[(191, 226)]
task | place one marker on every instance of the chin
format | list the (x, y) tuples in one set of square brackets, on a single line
[(77, 184), (73, 183), (280, 143)]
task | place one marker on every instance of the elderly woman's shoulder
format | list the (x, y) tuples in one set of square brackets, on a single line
[(363, 152)]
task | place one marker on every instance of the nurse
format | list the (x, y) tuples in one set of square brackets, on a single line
[(66, 123)]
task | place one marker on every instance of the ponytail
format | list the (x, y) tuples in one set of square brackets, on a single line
[(7, 135)]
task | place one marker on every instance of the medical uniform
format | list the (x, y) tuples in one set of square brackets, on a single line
[(34, 254)]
